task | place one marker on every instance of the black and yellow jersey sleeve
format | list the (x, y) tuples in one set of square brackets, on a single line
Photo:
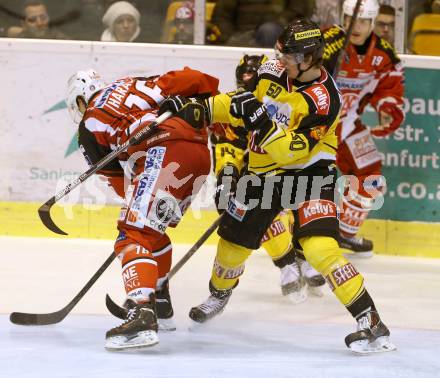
[(383, 45), (304, 119), (231, 148), (334, 38)]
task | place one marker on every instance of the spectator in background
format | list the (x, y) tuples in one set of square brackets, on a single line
[(385, 23), (435, 6), (122, 21), (253, 22), (327, 13), (79, 19), (184, 24), (36, 23), (10, 14)]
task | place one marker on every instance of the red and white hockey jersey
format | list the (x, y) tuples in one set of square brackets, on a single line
[(371, 73), (113, 114)]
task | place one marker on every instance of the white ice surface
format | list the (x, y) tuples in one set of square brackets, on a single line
[(260, 334)]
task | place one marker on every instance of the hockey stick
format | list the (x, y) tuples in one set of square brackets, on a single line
[(347, 38), (121, 312), (44, 210), (22, 318)]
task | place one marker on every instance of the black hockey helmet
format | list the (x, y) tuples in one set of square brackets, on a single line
[(249, 64), (301, 38)]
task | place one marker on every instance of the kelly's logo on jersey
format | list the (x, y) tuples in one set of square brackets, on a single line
[(320, 97), (316, 209)]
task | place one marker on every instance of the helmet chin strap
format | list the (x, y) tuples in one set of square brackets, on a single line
[(300, 71)]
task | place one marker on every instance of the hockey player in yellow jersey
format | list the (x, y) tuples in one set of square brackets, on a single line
[(229, 146), (292, 114)]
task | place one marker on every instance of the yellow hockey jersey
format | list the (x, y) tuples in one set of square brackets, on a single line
[(304, 118)]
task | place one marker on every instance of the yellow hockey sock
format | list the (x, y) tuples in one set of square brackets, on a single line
[(228, 264), (324, 254)]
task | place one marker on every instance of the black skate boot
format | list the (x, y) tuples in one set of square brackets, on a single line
[(360, 246), (372, 335), (139, 329), (164, 308), (214, 305)]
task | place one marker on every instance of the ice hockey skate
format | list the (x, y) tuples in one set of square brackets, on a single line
[(138, 331), (292, 284), (360, 247), (372, 335), (313, 279), (214, 305), (164, 308)]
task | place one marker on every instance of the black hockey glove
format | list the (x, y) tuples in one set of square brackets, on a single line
[(226, 187), (244, 105), (173, 104), (193, 113)]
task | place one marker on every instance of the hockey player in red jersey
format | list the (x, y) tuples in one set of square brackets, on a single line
[(163, 173), (370, 73)]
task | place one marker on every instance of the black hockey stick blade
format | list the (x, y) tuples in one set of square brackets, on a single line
[(22, 318), (115, 310), (44, 213), (121, 312)]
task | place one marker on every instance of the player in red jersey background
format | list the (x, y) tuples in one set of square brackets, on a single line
[(370, 73)]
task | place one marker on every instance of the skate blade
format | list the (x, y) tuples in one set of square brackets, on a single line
[(298, 297), (166, 325), (315, 291), (142, 340), (380, 345)]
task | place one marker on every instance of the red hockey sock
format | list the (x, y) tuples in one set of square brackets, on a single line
[(139, 272)]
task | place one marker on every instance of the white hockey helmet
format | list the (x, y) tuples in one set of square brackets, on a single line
[(82, 84), (368, 9)]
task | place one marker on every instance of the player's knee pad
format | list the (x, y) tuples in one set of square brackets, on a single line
[(324, 254), (278, 238), (228, 264)]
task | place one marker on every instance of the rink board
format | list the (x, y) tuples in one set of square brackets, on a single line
[(21, 219), (40, 153)]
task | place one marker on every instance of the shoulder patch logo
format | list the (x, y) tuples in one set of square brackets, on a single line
[(271, 67), (318, 132), (321, 98)]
